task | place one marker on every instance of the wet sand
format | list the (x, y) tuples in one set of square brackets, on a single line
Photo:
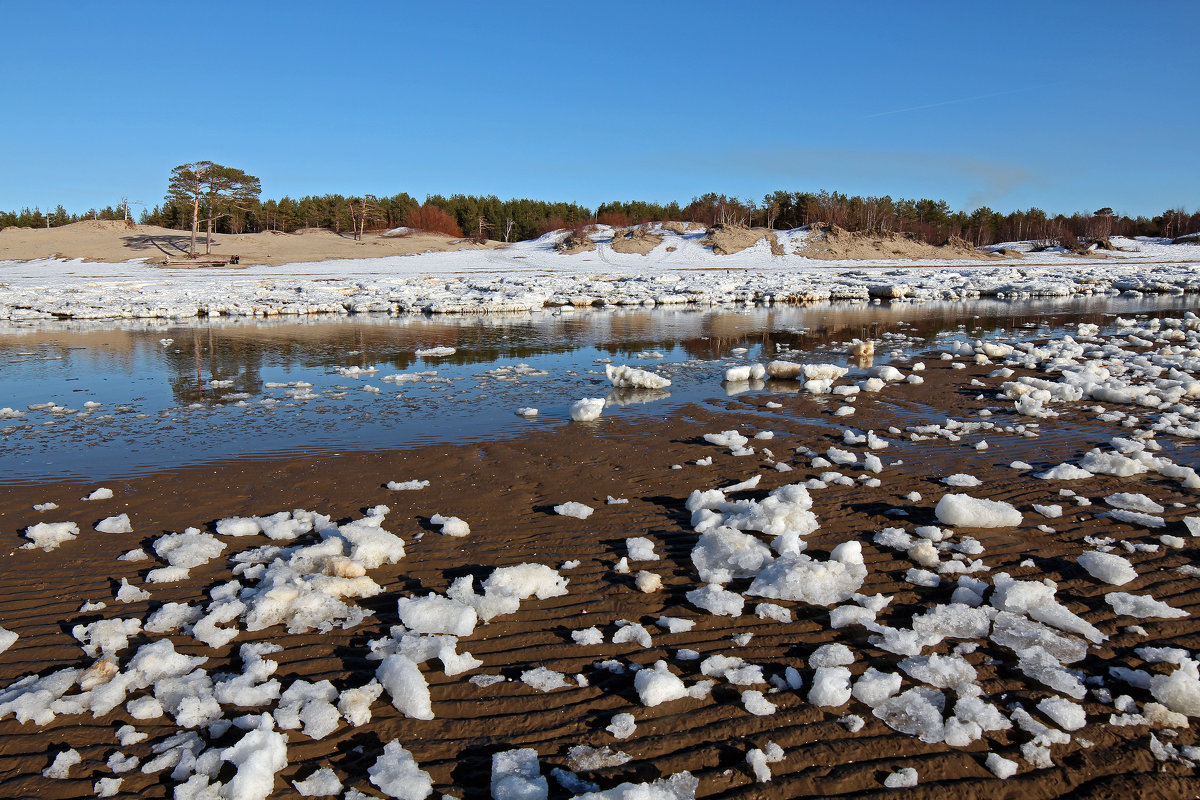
[(506, 491)]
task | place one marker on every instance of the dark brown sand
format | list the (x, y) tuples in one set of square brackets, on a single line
[(506, 489)]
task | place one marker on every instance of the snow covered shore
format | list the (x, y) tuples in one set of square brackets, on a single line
[(680, 270)]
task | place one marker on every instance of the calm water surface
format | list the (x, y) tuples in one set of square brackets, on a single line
[(110, 400)]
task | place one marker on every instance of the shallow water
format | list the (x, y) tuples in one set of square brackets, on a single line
[(172, 394)]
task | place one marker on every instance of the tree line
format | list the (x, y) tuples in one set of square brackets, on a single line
[(488, 217)]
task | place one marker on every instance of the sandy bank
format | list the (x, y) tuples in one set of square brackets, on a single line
[(97, 240)]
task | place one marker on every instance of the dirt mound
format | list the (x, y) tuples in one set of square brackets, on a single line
[(729, 239), (577, 240), (682, 228), (637, 240), (832, 242)]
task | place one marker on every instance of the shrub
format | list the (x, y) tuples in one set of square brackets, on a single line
[(432, 218)]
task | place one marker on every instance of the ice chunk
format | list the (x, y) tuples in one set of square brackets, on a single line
[(966, 511), (49, 535), (716, 600), (192, 548), (107, 787), (403, 680), (917, 712), (801, 578), (437, 614), (1000, 766), (576, 510), (587, 409), (102, 493), (1137, 518), (1180, 690), (258, 756), (516, 775), (397, 774), (1069, 716), (7, 639), (62, 764), (1134, 502), (451, 526), (355, 704), (622, 726), (830, 687), (1142, 606), (647, 582), (1107, 567), (903, 778), (587, 637), (755, 703), (961, 480), (1064, 472), (831, 655), (658, 685), (723, 554), (634, 378), (129, 593), (322, 783), (544, 679), (117, 524), (406, 486), (944, 672)]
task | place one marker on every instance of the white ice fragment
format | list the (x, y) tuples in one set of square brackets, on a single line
[(715, 599), (633, 378), (434, 614), (49, 535), (1064, 472), (903, 778), (1000, 766), (587, 637), (451, 526), (544, 679), (103, 493), (117, 524), (755, 703), (1180, 690), (965, 511), (1069, 716), (587, 409), (830, 687), (397, 774), (622, 726), (1107, 567), (258, 756), (62, 764), (516, 775), (648, 582), (322, 783), (573, 509), (128, 593), (403, 680), (831, 655), (1142, 606), (107, 787), (527, 411), (658, 685), (917, 712), (407, 486)]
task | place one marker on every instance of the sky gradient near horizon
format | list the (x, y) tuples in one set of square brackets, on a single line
[(1065, 106)]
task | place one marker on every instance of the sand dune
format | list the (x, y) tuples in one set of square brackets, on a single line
[(98, 240)]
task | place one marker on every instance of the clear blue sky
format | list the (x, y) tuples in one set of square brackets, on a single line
[(1065, 106)]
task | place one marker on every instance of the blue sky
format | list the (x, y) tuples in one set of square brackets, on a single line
[(1064, 106)]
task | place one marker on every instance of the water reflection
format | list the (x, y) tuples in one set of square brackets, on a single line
[(230, 388)]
